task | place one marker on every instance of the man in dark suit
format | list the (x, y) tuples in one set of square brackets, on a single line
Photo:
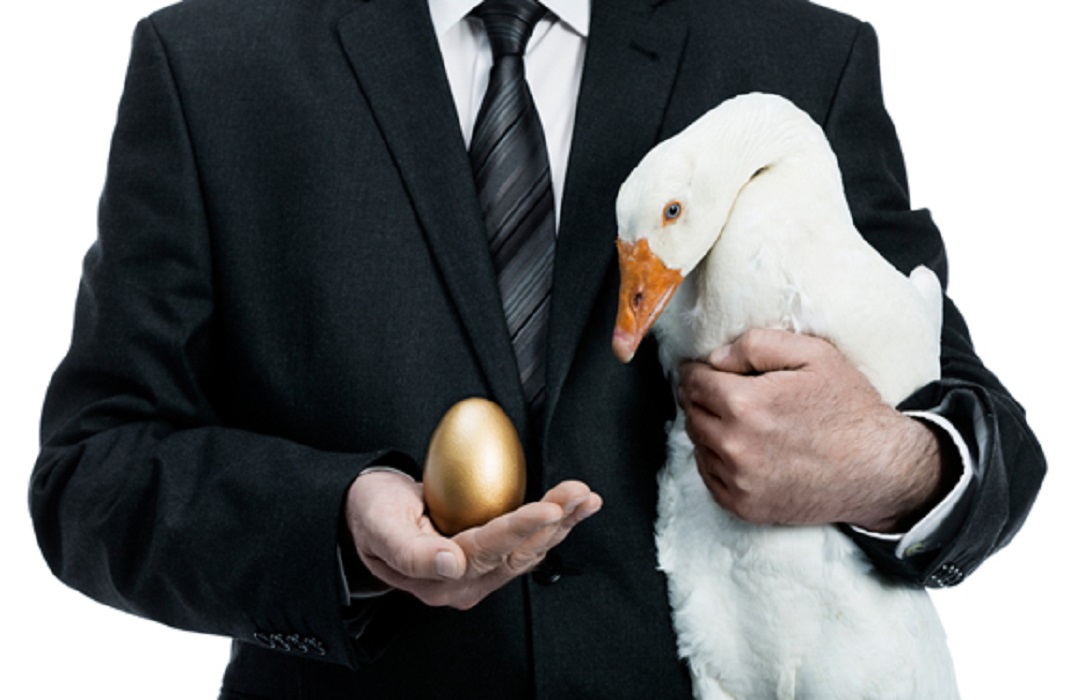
[(292, 283)]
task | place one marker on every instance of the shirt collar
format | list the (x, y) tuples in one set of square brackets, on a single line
[(575, 14)]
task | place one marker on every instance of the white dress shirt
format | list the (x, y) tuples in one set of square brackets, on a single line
[(553, 64), (555, 53)]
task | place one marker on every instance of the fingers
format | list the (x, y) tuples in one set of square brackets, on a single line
[(577, 509), (399, 545), (726, 487), (734, 381), (491, 546), (786, 429), (578, 503), (706, 462), (761, 350), (711, 400), (519, 540), (568, 494)]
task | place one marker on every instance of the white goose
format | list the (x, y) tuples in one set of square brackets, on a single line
[(743, 214)]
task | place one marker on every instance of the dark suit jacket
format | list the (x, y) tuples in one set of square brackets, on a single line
[(292, 282)]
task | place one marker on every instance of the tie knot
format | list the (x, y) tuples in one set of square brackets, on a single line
[(509, 24)]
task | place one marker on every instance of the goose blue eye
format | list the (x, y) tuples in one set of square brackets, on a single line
[(673, 211)]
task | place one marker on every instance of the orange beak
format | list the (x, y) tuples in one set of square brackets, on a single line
[(646, 287)]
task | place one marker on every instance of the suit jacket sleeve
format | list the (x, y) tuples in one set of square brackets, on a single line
[(1008, 465), (142, 497)]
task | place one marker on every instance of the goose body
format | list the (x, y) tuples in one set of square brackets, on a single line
[(744, 214)]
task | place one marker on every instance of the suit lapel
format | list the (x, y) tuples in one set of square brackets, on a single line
[(629, 70), (395, 56), (630, 66)]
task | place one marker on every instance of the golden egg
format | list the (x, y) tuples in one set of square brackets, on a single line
[(474, 469)]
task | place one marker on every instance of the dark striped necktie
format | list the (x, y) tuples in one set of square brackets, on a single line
[(512, 175)]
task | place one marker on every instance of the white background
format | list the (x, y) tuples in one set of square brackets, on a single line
[(983, 101)]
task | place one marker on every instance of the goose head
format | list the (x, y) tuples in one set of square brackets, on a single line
[(674, 206), (670, 212), (657, 244)]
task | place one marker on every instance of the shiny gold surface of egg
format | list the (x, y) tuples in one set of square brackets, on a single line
[(474, 470)]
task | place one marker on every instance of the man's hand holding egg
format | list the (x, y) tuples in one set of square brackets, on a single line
[(398, 543)]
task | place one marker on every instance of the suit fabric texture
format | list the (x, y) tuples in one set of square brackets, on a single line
[(292, 283)]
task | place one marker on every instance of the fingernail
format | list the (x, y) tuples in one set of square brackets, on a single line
[(445, 564), (571, 506), (592, 511), (718, 355)]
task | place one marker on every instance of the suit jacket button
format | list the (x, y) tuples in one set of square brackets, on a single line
[(549, 570), (949, 574), (314, 646)]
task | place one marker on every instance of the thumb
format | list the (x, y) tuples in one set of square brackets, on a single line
[(419, 553), (763, 350)]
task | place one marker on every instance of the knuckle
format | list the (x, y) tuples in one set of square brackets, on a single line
[(699, 381), (408, 564), (821, 346), (690, 383), (707, 461), (733, 451), (484, 561), (743, 483), (737, 403), (740, 486), (519, 562), (692, 429), (751, 341)]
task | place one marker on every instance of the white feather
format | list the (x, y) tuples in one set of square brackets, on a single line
[(766, 240)]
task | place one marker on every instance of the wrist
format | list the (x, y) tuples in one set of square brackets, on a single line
[(919, 468)]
